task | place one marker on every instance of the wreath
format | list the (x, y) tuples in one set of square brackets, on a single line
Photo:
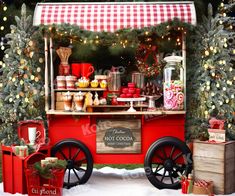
[(147, 60)]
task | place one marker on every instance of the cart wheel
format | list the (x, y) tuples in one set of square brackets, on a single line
[(166, 160), (79, 161)]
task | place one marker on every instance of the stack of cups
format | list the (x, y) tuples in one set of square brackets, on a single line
[(70, 82), (61, 84)]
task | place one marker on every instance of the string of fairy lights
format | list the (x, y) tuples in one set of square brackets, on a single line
[(207, 65), (3, 20)]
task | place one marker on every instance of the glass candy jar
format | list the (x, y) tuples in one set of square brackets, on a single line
[(173, 83)]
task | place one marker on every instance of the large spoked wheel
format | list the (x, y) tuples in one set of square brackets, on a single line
[(79, 161), (165, 161)]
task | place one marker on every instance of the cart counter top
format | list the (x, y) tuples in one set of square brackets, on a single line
[(158, 112)]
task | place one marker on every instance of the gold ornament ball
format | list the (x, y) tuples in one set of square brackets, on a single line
[(26, 100), (13, 79), (207, 53), (217, 85), (22, 61), (229, 125), (212, 94), (213, 74), (21, 82), (17, 96), (32, 77), (36, 79), (5, 8), (211, 48), (206, 112), (227, 100)]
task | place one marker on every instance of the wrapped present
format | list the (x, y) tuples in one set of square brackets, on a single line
[(216, 131), (202, 187), (216, 123)]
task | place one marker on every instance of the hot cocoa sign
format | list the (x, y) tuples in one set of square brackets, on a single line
[(118, 136)]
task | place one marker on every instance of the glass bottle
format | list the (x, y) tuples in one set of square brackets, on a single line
[(173, 89)]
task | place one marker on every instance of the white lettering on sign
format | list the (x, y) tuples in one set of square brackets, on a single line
[(217, 135)]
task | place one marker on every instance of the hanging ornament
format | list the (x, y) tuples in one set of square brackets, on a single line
[(25, 76), (10, 100), (26, 100), (17, 96), (41, 60), (21, 82), (144, 54), (36, 79), (38, 69)]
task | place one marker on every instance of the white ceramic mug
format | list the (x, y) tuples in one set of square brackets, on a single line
[(33, 134)]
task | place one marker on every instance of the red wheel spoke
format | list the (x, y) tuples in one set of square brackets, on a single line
[(81, 160), (75, 156), (164, 153), (157, 155), (177, 156), (61, 152), (172, 151), (70, 152)]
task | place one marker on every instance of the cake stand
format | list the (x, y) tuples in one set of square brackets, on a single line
[(152, 99), (131, 100)]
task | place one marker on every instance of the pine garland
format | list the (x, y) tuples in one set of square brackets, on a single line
[(46, 172)]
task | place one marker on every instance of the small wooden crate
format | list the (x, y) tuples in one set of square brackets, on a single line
[(216, 162)]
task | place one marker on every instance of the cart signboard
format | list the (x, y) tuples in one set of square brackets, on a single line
[(118, 136)]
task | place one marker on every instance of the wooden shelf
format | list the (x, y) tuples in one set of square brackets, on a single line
[(158, 112), (118, 106), (80, 89)]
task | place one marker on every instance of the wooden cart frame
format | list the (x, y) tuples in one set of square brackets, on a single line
[(74, 134)]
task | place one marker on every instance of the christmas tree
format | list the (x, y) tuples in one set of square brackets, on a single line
[(22, 84), (215, 76)]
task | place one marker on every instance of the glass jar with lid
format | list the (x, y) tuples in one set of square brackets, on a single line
[(173, 87)]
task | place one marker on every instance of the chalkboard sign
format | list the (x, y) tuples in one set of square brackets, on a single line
[(118, 136)]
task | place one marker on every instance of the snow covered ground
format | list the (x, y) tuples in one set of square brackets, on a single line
[(115, 182)]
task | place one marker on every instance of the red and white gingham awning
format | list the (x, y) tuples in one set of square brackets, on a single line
[(113, 16)]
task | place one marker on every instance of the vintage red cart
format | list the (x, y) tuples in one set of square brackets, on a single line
[(153, 138)]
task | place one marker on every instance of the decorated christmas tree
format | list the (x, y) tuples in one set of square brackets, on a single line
[(22, 85), (214, 79)]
